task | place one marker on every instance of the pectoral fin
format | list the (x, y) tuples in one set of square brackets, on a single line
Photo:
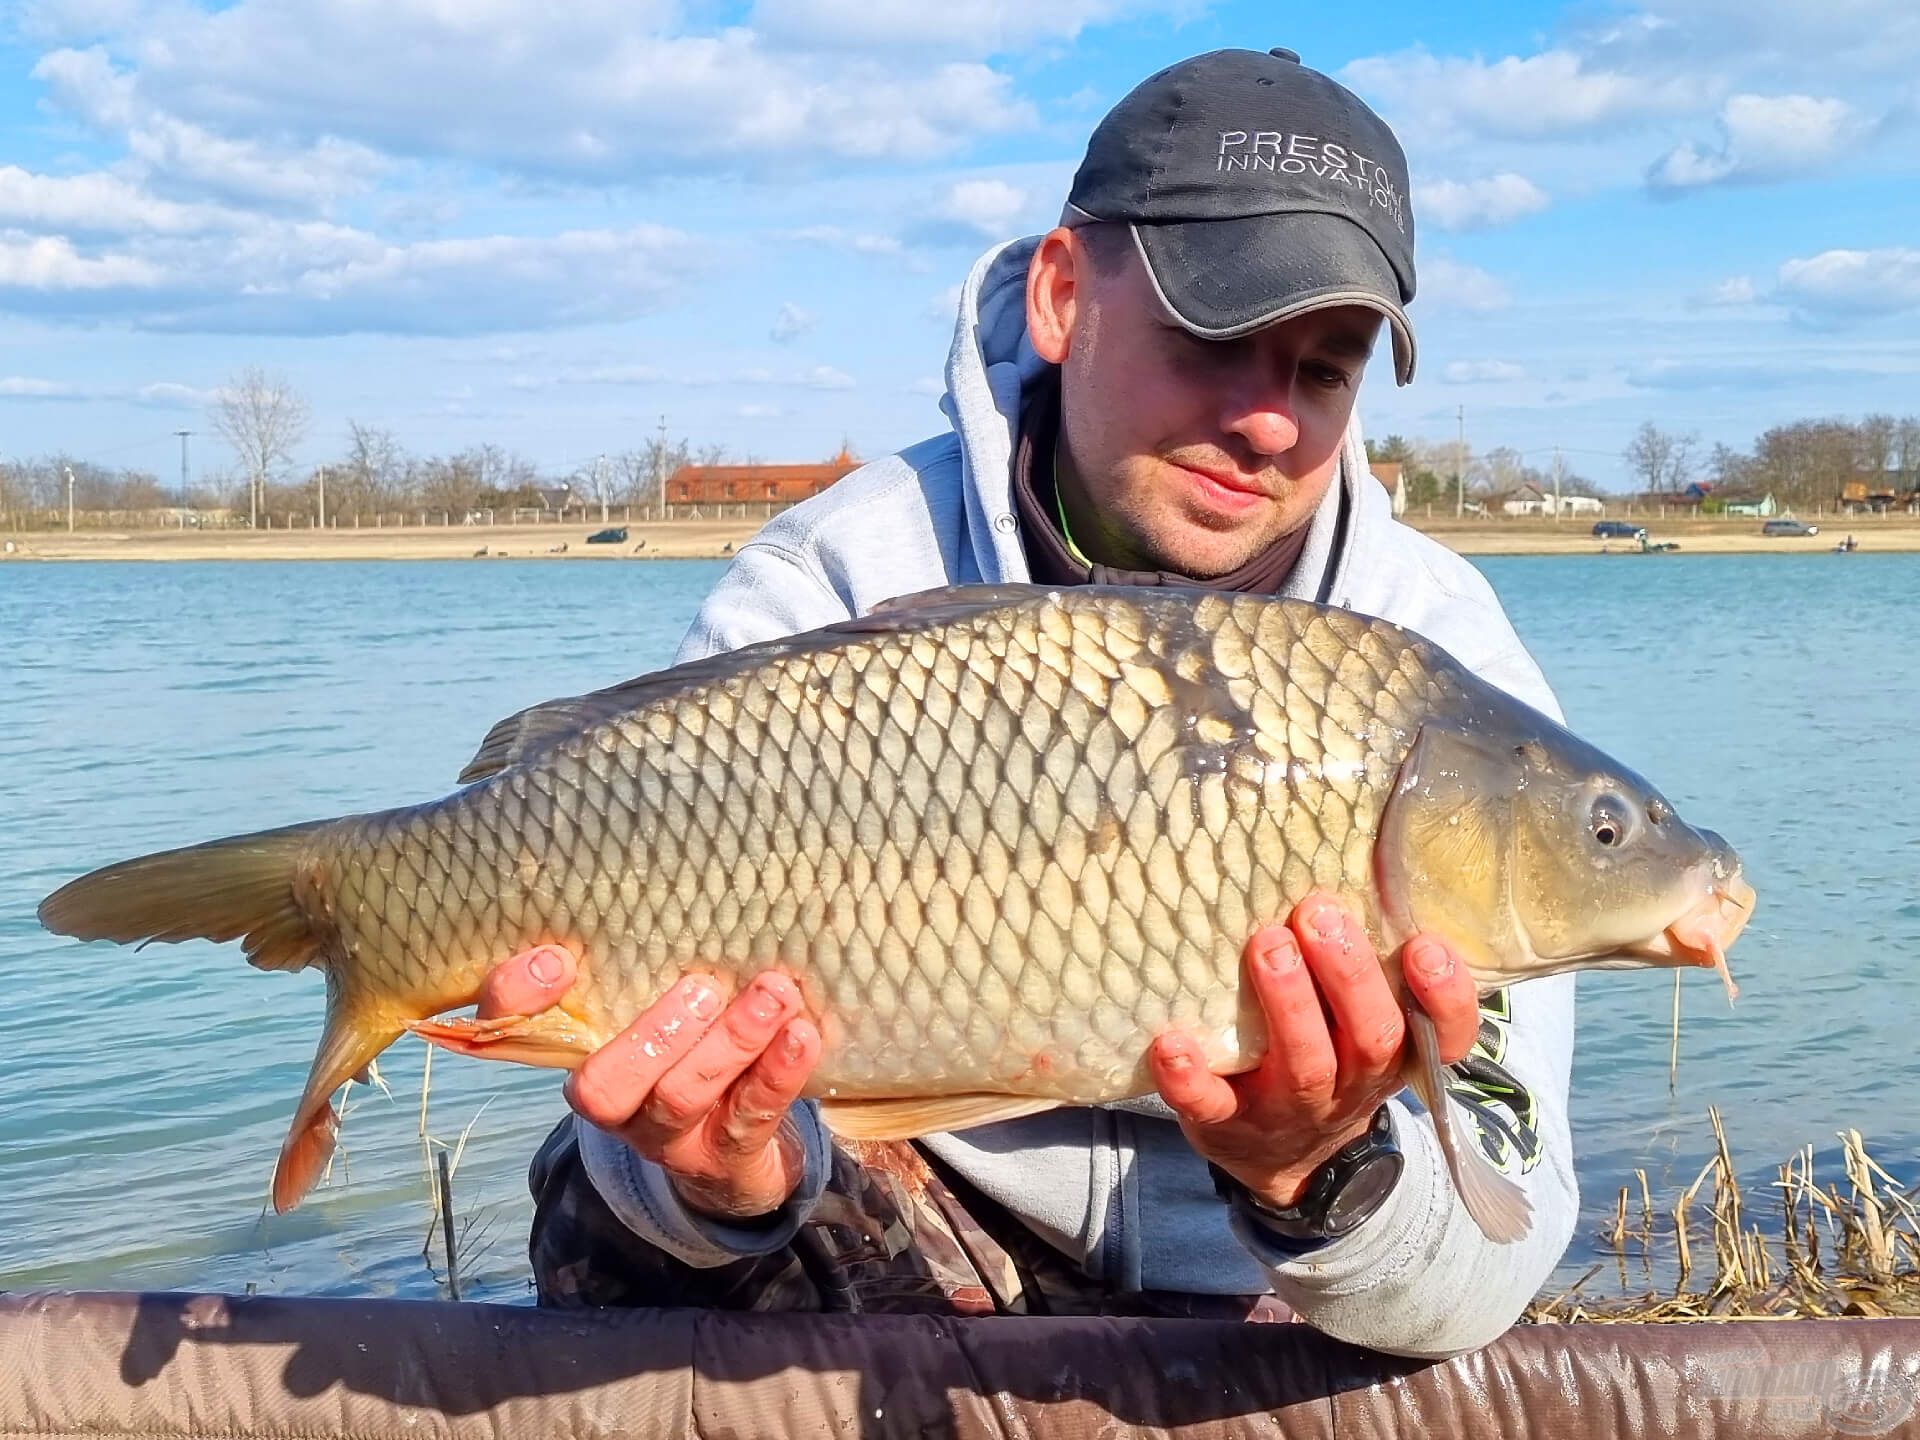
[(907, 1117), (1498, 1206), (552, 1039)]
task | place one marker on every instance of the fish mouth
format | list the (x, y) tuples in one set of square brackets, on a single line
[(1702, 935)]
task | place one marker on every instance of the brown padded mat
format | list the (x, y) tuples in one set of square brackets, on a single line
[(121, 1365)]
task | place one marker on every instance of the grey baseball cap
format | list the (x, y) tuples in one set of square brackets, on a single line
[(1256, 190)]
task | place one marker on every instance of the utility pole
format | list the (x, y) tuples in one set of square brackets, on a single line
[(1558, 469), (600, 484), (69, 499), (660, 466), (1460, 468), (186, 483), (323, 497), (253, 501)]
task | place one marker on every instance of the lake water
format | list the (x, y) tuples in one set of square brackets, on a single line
[(144, 1095)]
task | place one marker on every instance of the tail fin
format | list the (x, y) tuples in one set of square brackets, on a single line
[(266, 890), (245, 887)]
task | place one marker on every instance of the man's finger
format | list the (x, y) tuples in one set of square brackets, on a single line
[(1194, 1092), (1301, 1064), (528, 983), (752, 1111), (1442, 986), (696, 1083), (614, 1081), (1369, 1028)]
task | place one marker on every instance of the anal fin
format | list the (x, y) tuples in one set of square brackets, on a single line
[(906, 1117), (552, 1039), (1498, 1206)]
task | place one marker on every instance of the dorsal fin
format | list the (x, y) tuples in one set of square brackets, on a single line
[(530, 731)]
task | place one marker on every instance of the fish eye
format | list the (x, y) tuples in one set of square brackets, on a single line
[(1609, 821)]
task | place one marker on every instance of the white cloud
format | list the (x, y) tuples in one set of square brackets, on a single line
[(1453, 284), (1851, 284), (50, 263), (791, 323), (962, 27), (198, 160), (1482, 372), (100, 204), (928, 385), (165, 395), (310, 277), (970, 211), (833, 237), (944, 307), (1849, 37), (28, 388), (598, 91), (817, 377), (1731, 293), (1762, 137), (1557, 92), (1474, 204)]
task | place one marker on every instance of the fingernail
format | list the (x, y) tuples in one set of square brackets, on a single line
[(703, 1001), (791, 1045), (1433, 962), (1281, 955), (1179, 1062), (1327, 921), (762, 1003), (545, 967)]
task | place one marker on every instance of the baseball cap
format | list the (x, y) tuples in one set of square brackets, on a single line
[(1256, 189)]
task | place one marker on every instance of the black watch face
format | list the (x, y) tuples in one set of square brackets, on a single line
[(1366, 1187)]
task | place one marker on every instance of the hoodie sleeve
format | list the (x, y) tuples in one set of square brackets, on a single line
[(766, 592)]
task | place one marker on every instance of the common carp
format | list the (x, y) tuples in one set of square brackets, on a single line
[(999, 835)]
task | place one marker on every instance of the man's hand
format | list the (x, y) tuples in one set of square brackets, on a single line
[(701, 1090), (1335, 1036)]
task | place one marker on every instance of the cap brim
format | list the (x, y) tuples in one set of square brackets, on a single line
[(1226, 278)]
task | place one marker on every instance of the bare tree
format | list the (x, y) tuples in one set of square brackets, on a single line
[(264, 419)]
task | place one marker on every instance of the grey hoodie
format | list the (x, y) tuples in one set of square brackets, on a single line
[(1118, 1189)]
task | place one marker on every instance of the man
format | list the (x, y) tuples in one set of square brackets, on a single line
[(1159, 390)]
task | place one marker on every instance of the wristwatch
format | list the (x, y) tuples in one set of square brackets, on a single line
[(1340, 1195)]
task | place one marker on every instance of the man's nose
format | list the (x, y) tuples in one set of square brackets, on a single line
[(1265, 419)]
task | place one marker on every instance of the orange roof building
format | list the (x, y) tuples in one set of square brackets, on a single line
[(732, 484)]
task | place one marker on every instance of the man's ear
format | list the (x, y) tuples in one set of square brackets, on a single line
[(1055, 294)]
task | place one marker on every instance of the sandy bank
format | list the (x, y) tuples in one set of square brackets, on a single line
[(716, 539)]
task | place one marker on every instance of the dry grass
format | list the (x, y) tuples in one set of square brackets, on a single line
[(1830, 1255)]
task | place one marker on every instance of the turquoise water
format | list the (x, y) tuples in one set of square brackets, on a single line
[(144, 1095)]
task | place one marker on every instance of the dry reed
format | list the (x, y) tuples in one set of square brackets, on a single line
[(1870, 1266)]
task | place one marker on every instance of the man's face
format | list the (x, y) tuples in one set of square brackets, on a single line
[(1179, 453)]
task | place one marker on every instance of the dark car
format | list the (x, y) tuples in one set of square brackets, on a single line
[(1619, 530), (614, 535), (1786, 526)]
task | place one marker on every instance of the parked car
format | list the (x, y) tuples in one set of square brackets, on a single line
[(1619, 530), (1785, 526), (613, 535)]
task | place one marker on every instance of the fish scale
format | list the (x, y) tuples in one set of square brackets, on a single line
[(1000, 837)]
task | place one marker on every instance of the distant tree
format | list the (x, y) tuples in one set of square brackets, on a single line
[(1662, 461), (264, 420)]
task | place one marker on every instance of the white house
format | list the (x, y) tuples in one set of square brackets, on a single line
[(1530, 499)]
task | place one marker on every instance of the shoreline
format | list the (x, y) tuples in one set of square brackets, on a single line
[(719, 539)]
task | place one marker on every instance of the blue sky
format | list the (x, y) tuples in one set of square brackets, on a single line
[(548, 227)]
